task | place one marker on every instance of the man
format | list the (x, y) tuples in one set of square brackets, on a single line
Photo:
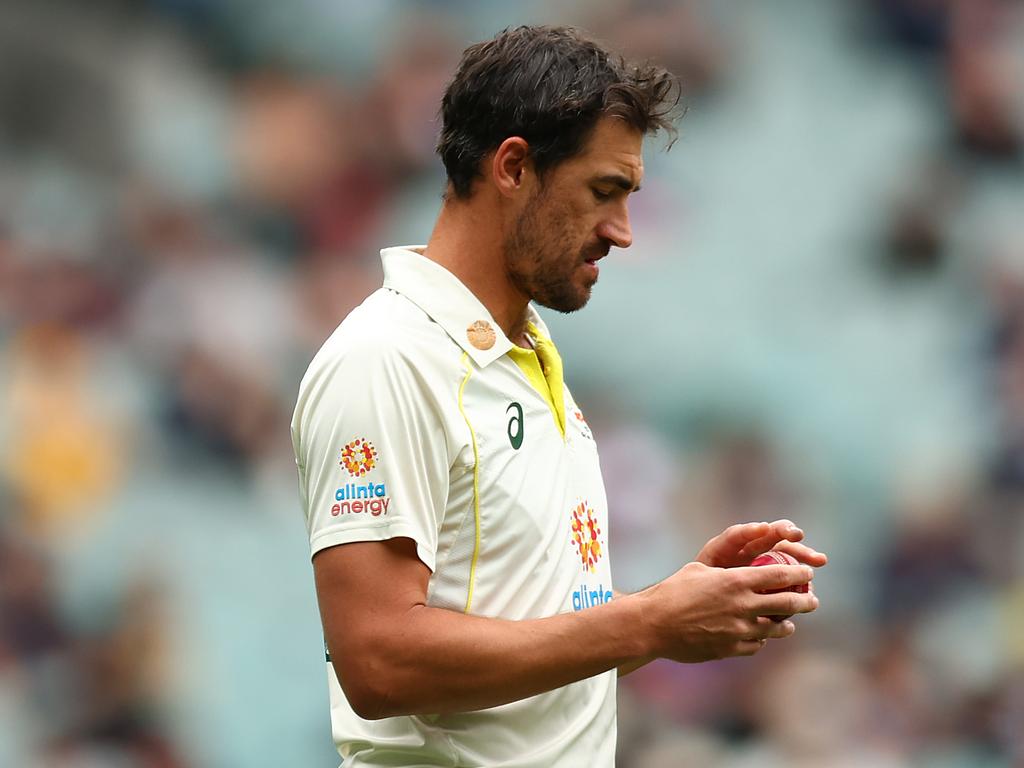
[(452, 490)]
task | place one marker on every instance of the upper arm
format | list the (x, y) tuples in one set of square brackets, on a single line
[(372, 447), (365, 590)]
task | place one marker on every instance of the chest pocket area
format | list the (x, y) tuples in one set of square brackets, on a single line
[(523, 462)]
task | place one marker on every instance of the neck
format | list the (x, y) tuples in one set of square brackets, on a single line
[(468, 241)]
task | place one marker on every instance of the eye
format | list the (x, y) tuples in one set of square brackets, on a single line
[(601, 194)]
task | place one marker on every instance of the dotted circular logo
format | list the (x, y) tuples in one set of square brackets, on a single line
[(585, 536), (358, 457)]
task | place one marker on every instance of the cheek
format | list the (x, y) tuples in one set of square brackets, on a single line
[(576, 223), (584, 219), (581, 210)]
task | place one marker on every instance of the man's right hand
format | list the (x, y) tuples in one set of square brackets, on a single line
[(701, 613)]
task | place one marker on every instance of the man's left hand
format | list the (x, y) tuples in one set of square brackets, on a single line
[(738, 544)]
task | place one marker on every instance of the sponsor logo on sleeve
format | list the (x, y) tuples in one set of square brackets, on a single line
[(358, 458), (356, 498)]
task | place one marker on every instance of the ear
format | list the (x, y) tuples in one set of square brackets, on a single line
[(510, 164)]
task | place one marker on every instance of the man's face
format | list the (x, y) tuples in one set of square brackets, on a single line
[(574, 218)]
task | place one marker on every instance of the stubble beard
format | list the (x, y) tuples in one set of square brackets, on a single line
[(538, 263)]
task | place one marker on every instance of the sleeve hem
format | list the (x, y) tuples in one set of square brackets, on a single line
[(380, 532)]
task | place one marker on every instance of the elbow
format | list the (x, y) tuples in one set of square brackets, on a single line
[(367, 686), (366, 703)]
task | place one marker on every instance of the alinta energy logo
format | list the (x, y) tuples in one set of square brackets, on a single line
[(585, 536), (358, 457)]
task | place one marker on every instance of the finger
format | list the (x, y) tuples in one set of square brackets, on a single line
[(725, 549), (786, 529), (777, 532), (786, 603), (757, 547), (803, 553), (766, 577), (774, 630), (736, 537), (748, 647)]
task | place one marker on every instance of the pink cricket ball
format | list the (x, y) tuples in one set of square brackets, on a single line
[(775, 557)]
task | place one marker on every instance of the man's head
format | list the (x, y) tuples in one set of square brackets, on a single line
[(550, 86), (554, 124)]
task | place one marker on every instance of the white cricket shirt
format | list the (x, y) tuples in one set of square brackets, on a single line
[(419, 418)]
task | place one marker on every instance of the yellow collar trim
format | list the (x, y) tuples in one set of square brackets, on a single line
[(542, 367)]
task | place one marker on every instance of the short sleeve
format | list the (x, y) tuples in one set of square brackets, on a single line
[(371, 450)]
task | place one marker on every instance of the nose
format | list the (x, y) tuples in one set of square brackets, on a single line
[(616, 229)]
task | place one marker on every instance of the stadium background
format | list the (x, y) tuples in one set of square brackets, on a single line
[(822, 317)]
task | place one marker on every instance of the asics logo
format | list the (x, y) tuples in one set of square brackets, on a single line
[(515, 425)]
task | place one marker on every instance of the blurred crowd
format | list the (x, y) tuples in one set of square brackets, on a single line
[(192, 196)]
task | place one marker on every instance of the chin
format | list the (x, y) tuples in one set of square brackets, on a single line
[(576, 303)]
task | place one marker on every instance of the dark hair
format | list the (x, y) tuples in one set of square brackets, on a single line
[(549, 85)]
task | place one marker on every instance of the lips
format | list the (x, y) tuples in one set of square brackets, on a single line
[(596, 254)]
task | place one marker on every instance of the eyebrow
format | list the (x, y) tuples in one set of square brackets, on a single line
[(618, 180)]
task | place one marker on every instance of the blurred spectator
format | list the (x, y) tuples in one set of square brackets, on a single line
[(404, 98), (680, 34), (92, 696), (919, 25), (64, 451), (304, 158), (917, 237), (986, 78), (218, 324), (814, 710), (931, 553), (119, 685)]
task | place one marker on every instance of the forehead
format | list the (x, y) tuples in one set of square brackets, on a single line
[(614, 146)]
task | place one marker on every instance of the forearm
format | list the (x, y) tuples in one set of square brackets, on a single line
[(395, 655), (439, 661)]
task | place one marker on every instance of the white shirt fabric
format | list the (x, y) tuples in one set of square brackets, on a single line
[(405, 427)]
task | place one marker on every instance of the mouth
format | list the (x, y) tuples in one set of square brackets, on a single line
[(595, 256), (590, 266)]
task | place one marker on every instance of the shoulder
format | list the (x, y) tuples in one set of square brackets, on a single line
[(386, 338)]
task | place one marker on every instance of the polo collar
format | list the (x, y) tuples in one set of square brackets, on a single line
[(448, 302)]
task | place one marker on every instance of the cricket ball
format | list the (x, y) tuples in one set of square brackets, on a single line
[(774, 557)]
